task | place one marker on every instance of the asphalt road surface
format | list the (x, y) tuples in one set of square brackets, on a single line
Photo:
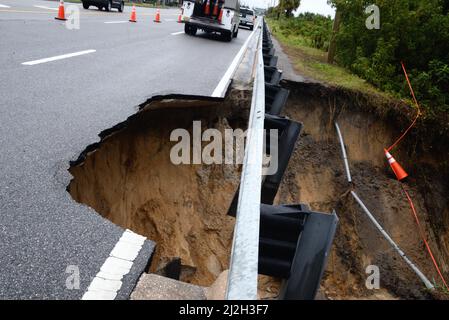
[(52, 108)]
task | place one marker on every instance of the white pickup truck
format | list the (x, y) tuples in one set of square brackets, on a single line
[(220, 16), (247, 18)]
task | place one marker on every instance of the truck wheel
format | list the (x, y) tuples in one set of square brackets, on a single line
[(85, 5), (186, 29), (235, 33), (122, 6), (108, 6), (190, 30), (251, 28), (227, 36)]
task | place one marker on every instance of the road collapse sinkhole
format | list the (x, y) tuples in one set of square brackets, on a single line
[(129, 179)]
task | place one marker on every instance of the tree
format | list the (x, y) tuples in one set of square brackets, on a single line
[(288, 6), (333, 42), (413, 31)]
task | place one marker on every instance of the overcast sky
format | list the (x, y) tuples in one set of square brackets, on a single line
[(316, 6)]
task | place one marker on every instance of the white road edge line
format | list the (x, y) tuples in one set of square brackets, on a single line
[(108, 280), (64, 56), (4, 6), (222, 86), (111, 22), (176, 33), (45, 7)]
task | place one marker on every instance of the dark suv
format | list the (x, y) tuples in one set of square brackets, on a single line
[(106, 4)]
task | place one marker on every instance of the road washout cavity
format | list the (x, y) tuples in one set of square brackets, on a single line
[(129, 178), (316, 176)]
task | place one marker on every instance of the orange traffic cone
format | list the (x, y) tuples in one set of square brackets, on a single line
[(158, 16), (397, 169), (61, 13), (221, 15), (207, 8), (180, 18), (215, 12), (133, 15)]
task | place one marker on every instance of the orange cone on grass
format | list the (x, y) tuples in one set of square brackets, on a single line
[(396, 167), (133, 15), (207, 8), (158, 16), (61, 13)]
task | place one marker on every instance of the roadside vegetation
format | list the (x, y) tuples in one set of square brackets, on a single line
[(306, 43), (413, 31)]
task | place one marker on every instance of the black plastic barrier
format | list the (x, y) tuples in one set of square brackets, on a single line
[(275, 99), (294, 242)]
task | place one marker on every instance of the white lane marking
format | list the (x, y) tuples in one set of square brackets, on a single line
[(220, 90), (45, 7), (111, 22), (64, 56), (176, 33), (99, 295), (108, 280), (4, 6), (169, 19)]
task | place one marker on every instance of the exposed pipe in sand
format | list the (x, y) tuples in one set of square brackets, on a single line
[(418, 272), (343, 152)]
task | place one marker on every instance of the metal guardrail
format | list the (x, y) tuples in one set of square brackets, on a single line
[(243, 271)]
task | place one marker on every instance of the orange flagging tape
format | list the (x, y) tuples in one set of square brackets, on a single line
[(417, 115), (412, 206), (423, 236)]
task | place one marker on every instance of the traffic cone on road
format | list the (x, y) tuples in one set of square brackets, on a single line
[(396, 167), (180, 18), (158, 16), (61, 13), (133, 14), (207, 8), (215, 12)]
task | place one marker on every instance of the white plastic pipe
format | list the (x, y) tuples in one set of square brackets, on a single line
[(343, 152), (418, 272)]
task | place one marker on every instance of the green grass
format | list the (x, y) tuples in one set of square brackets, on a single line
[(311, 63)]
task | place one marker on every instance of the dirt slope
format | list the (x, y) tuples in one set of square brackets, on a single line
[(316, 176)]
